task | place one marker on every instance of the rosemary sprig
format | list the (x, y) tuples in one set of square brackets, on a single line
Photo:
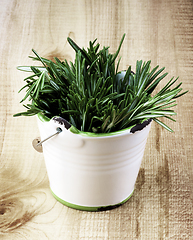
[(91, 94)]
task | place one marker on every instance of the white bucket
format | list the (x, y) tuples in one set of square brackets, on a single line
[(92, 171)]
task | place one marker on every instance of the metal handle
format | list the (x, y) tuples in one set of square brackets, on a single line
[(37, 143), (59, 130)]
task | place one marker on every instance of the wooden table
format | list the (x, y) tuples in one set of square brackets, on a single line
[(162, 204)]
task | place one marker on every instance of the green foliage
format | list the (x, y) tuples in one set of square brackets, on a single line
[(93, 96)]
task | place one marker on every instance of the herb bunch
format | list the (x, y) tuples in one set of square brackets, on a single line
[(93, 96)]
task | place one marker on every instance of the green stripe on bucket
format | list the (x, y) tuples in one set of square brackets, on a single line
[(92, 209)]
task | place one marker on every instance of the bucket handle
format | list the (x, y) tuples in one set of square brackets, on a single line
[(37, 142)]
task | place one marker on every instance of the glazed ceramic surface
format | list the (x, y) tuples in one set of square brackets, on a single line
[(92, 170)]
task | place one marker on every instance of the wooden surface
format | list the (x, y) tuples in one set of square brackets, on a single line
[(162, 204)]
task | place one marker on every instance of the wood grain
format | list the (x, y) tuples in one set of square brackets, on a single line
[(162, 204)]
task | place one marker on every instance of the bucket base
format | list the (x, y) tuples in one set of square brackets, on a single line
[(91, 209)]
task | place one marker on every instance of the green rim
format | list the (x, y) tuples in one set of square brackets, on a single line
[(91, 209), (43, 118)]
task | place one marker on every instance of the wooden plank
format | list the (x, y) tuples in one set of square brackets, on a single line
[(162, 204)]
